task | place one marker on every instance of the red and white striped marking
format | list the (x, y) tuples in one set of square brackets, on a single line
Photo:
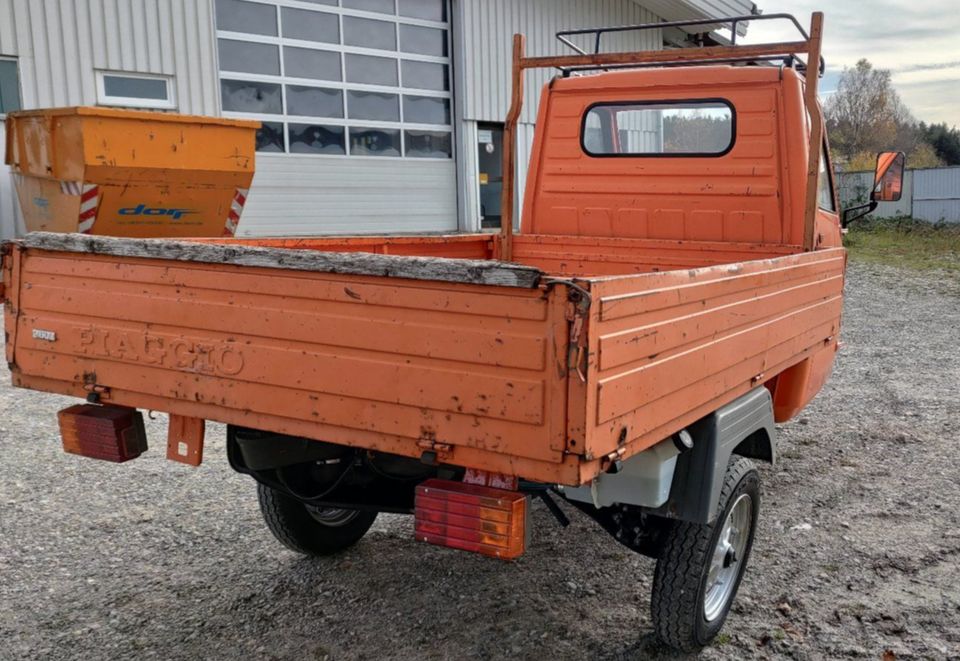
[(71, 187), (236, 209), (89, 201)]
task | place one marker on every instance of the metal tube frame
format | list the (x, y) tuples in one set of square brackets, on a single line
[(733, 21)]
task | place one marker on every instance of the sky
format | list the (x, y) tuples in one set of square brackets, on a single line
[(918, 40)]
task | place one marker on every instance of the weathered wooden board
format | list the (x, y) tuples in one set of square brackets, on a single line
[(441, 269)]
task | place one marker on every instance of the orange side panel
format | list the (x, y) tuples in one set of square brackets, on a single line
[(599, 256), (381, 363), (10, 296), (736, 197), (795, 387), (669, 348)]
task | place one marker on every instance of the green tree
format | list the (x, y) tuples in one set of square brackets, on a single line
[(866, 116), (944, 140)]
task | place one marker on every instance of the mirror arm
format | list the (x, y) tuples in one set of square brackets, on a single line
[(854, 213)]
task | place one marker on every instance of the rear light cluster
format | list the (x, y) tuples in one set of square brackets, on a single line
[(471, 517), (112, 433)]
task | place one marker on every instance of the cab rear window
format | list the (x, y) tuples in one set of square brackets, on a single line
[(704, 127)]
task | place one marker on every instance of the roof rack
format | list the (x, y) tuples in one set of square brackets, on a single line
[(788, 51), (731, 22)]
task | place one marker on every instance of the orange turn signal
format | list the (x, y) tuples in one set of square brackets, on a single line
[(111, 433), (471, 517)]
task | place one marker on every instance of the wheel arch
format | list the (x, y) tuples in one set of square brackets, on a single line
[(744, 428), (759, 445)]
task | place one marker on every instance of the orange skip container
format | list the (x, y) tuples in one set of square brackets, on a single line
[(130, 173)]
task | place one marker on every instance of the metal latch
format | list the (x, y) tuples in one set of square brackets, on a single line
[(580, 303), (96, 393), (428, 444), (578, 311), (610, 463), (432, 449)]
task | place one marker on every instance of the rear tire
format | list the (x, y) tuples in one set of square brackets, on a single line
[(700, 566), (309, 530)]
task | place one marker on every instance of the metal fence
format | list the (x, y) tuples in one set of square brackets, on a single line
[(932, 195)]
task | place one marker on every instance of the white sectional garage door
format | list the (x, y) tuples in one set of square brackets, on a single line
[(356, 104)]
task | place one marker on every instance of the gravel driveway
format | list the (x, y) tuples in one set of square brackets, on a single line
[(858, 550)]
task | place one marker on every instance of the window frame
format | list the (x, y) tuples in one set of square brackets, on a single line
[(660, 102), (343, 51), (104, 99), (16, 65), (828, 163)]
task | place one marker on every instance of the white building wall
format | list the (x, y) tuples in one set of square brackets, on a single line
[(484, 67), (61, 43), (685, 10), (488, 29)]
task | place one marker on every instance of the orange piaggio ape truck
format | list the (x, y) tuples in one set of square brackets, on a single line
[(675, 290)]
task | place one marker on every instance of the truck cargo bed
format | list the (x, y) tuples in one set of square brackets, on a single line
[(544, 370)]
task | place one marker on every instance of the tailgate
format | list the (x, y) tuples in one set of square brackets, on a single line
[(391, 353)]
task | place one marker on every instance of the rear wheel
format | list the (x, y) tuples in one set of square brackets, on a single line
[(700, 566), (311, 530)]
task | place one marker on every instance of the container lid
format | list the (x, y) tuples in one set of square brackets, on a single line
[(124, 113)]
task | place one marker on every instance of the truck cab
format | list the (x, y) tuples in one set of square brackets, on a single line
[(709, 154)]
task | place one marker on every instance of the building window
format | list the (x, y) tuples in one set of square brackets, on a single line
[(9, 86), (346, 78), (135, 90)]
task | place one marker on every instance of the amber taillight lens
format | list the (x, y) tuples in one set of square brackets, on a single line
[(470, 517), (111, 433)]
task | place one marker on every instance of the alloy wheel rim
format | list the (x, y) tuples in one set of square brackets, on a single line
[(726, 563)]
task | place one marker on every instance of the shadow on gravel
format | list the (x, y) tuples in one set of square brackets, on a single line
[(647, 648), (392, 597)]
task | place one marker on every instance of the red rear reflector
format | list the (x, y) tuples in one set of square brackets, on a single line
[(471, 517), (111, 433)]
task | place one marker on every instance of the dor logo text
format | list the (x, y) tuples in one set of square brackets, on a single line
[(144, 210)]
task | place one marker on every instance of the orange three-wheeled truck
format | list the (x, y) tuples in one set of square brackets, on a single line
[(675, 290)]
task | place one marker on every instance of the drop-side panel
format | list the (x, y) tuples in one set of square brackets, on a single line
[(604, 256), (377, 362), (669, 348)]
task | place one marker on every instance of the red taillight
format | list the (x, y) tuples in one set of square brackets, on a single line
[(472, 518), (112, 433)]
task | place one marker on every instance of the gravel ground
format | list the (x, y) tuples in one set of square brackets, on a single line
[(858, 551)]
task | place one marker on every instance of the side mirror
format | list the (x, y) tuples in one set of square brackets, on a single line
[(888, 180), (887, 185)]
